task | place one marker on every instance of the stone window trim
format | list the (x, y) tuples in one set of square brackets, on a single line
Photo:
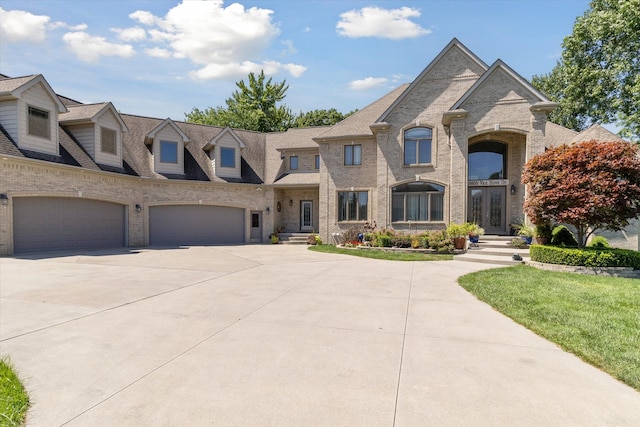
[(108, 140), (355, 212), (38, 122)]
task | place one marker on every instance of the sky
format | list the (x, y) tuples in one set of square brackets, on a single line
[(162, 58)]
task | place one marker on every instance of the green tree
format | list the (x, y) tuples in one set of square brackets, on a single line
[(598, 77), (252, 106), (319, 118), (591, 185)]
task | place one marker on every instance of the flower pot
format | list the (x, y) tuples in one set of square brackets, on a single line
[(527, 239), (542, 240), (459, 242), (474, 239)]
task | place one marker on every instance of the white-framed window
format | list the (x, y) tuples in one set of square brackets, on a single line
[(353, 205), (293, 163), (417, 201), (38, 122), (418, 143), (227, 157), (108, 141), (352, 155), (168, 152), (317, 163)]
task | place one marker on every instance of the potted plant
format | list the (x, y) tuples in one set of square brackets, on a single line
[(274, 239), (458, 233), (542, 233), (526, 232), (475, 231)]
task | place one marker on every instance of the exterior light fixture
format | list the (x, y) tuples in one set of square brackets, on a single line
[(138, 207), (268, 209), (513, 189), (4, 199), (290, 202)]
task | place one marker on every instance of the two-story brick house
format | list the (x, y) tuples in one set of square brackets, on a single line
[(450, 146)]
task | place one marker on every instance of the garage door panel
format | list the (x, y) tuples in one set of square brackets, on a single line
[(58, 223), (195, 225)]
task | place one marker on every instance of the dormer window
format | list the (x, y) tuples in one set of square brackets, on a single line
[(227, 157), (108, 141), (38, 123), (168, 152)]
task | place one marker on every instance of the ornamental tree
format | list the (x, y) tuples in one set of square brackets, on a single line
[(591, 185)]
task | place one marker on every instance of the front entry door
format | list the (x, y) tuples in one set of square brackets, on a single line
[(487, 207), (306, 215)]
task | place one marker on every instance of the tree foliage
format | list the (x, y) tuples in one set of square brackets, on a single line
[(252, 106), (598, 77), (592, 185)]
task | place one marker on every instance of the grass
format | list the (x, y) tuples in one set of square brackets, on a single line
[(381, 254), (14, 401), (596, 318)]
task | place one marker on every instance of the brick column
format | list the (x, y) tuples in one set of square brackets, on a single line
[(458, 179)]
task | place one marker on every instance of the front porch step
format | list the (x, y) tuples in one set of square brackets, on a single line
[(495, 250), (293, 238)]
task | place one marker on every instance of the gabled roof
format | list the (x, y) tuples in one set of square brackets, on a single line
[(358, 124), (454, 43), (14, 87), (499, 65), (227, 130), (90, 113), (597, 132), (167, 122)]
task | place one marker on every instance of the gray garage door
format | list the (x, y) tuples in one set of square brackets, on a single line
[(59, 223), (195, 225)]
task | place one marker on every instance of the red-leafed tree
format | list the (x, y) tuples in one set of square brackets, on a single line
[(591, 185)]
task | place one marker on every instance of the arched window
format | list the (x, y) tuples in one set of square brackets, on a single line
[(487, 160), (417, 201), (417, 146)]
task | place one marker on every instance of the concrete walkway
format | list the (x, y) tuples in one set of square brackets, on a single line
[(281, 336)]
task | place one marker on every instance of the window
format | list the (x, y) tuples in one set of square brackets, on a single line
[(417, 146), (108, 141), (39, 123), (227, 157), (353, 205), (487, 160), (417, 201), (168, 152), (317, 161), (352, 155), (293, 163)]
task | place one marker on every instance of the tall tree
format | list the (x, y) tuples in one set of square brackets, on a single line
[(598, 77), (592, 185), (320, 118), (252, 106)]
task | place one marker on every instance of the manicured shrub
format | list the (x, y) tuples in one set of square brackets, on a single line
[(350, 235), (599, 242), (401, 241), (383, 241), (562, 236), (588, 257)]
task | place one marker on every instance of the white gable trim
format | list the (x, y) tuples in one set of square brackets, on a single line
[(453, 43), (17, 92), (209, 145), (504, 67), (167, 122)]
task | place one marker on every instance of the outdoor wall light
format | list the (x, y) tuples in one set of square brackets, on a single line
[(513, 189), (268, 209), (290, 202), (4, 200), (138, 207)]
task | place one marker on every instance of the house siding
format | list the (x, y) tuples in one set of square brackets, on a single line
[(109, 121), (37, 96), (9, 118), (168, 133), (227, 141)]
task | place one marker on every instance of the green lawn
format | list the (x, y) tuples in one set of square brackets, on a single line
[(14, 400), (596, 318), (381, 254)]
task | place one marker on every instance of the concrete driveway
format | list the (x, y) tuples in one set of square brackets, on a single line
[(281, 336)]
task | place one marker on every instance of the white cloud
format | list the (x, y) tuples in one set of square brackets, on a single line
[(290, 49), (90, 48), (383, 23), (18, 25), (367, 83), (224, 41), (294, 69), (130, 34), (158, 52)]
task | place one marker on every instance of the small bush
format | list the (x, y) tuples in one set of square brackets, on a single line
[(517, 242), (599, 242), (562, 236), (588, 257), (383, 241), (401, 241), (350, 235), (439, 241)]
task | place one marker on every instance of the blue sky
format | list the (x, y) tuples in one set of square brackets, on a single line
[(161, 58)]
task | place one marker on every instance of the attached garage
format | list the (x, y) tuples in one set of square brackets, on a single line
[(59, 223), (195, 225)]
